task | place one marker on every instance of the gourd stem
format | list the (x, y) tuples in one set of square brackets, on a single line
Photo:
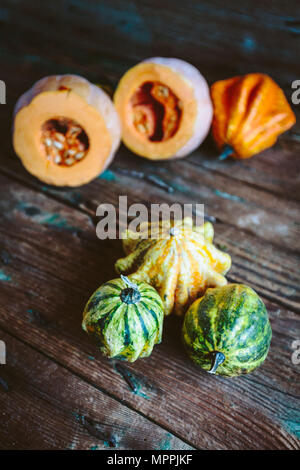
[(227, 150), (131, 293), (217, 359), (174, 231), (128, 282)]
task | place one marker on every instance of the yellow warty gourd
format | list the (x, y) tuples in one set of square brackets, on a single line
[(177, 258)]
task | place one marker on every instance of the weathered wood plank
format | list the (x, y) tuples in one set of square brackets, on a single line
[(253, 177), (276, 170), (53, 269), (44, 406), (227, 199), (222, 39), (233, 203), (51, 260), (96, 55)]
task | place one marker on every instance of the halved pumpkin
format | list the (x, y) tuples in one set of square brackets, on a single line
[(165, 108), (66, 130)]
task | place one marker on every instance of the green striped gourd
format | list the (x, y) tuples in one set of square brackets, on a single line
[(227, 331), (125, 319)]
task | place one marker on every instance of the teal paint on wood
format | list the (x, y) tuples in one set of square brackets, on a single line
[(4, 277), (293, 427), (165, 444), (108, 175), (126, 21), (46, 218), (291, 420), (248, 44), (231, 197), (132, 380)]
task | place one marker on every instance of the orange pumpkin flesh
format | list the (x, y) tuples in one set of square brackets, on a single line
[(164, 107), (250, 112), (66, 130), (155, 111)]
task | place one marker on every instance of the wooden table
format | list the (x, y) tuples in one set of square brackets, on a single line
[(56, 390)]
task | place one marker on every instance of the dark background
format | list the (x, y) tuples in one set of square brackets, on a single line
[(102, 39)]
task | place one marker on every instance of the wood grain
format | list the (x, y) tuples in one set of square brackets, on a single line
[(257, 228), (222, 40), (51, 260), (55, 265), (45, 406)]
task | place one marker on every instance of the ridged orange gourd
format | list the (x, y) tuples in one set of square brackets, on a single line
[(177, 258), (250, 112), (165, 108), (66, 130)]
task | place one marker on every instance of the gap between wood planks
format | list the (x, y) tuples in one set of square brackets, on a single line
[(83, 207), (91, 66), (49, 292), (251, 185), (276, 207), (107, 437), (100, 388), (140, 37)]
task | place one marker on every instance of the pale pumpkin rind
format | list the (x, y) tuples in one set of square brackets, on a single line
[(229, 321), (191, 89), (74, 98), (181, 263), (123, 330)]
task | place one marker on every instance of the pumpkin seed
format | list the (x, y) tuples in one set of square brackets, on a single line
[(79, 155), (70, 152), (63, 145), (74, 130), (140, 127), (60, 137), (163, 91), (58, 145)]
